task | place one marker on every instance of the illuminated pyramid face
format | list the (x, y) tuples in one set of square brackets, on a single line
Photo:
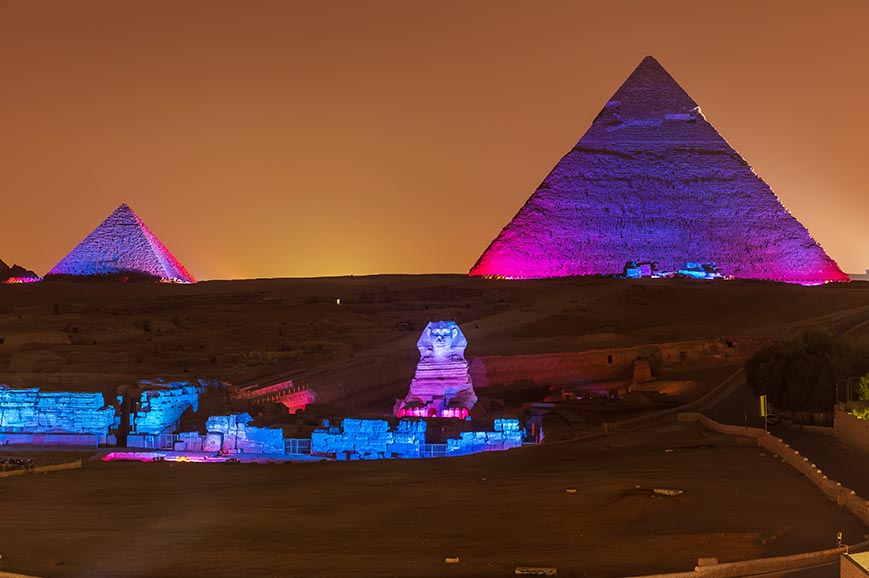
[(123, 244), (653, 181)]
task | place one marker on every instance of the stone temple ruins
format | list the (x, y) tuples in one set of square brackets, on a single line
[(123, 244), (652, 181), (442, 384)]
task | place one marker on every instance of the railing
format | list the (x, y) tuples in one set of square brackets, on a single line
[(167, 442), (433, 450), (191, 443), (297, 446)]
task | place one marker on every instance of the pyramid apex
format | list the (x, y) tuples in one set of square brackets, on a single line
[(649, 93), (650, 62)]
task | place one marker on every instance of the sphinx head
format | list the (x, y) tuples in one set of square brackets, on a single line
[(442, 339)]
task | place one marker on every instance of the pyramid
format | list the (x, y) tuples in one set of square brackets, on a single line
[(16, 274), (123, 244), (652, 181)]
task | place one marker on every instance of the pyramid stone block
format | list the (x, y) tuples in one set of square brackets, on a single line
[(652, 181), (123, 244)]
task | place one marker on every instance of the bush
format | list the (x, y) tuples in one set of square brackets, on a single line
[(863, 388), (799, 373)]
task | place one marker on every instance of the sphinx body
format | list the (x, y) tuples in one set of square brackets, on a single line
[(442, 384)]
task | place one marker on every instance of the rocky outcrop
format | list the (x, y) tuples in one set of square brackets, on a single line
[(653, 181), (123, 245)]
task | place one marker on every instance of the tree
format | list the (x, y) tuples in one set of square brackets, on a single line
[(863, 388), (799, 373)]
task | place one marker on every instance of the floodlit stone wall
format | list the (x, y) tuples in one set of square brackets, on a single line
[(373, 439), (369, 439), (238, 436), (32, 410), (507, 435), (160, 409)]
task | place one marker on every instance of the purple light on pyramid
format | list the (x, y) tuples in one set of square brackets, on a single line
[(123, 244), (652, 181)]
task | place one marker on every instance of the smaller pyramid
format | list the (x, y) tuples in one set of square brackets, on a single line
[(16, 274), (123, 244)]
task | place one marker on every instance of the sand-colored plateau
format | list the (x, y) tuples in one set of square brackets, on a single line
[(91, 336)]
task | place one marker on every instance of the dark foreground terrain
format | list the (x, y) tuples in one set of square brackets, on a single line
[(403, 518)]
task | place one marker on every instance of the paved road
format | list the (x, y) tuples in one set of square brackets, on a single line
[(838, 460)]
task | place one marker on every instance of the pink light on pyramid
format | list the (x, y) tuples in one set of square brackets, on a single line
[(123, 244), (652, 181)]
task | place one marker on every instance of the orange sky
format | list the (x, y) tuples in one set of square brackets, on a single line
[(272, 139)]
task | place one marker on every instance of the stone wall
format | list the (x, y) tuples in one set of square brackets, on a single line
[(852, 429), (369, 439), (373, 439), (607, 364), (237, 436), (507, 435), (160, 407), (32, 410)]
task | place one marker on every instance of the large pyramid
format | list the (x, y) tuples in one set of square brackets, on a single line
[(123, 244), (653, 181)]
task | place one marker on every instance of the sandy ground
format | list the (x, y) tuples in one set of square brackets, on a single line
[(402, 518)]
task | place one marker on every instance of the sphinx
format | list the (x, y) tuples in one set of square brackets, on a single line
[(441, 386)]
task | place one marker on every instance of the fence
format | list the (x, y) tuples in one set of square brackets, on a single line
[(169, 442), (297, 446), (433, 450), (61, 440)]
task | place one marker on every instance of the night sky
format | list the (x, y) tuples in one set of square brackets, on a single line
[(276, 139)]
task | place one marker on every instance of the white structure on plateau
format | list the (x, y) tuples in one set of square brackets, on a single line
[(442, 385)]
